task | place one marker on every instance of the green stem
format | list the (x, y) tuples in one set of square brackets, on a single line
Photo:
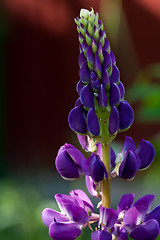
[(106, 183)]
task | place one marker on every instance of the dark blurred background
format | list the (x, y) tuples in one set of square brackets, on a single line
[(38, 75)]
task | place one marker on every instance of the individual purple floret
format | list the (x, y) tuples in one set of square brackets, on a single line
[(69, 162), (132, 159), (95, 168), (107, 219), (77, 120), (136, 219), (73, 217)]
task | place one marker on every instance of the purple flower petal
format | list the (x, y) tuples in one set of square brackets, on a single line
[(99, 50), (108, 217), (78, 102), (77, 120), (102, 97), (83, 140), (75, 154), (129, 144), (125, 203), (128, 167), (126, 115), (120, 233), (92, 123), (132, 218), (66, 167), (96, 168), (87, 97), (79, 86), (84, 45), (143, 205), (113, 57), (107, 60), (75, 213), (81, 59), (87, 204), (113, 121), (154, 214), (84, 73), (146, 153), (115, 76), (49, 216), (101, 235), (105, 77), (95, 85), (62, 199), (67, 231), (113, 158), (114, 96), (146, 231), (93, 76), (106, 45), (90, 56), (93, 188), (97, 64), (122, 90)]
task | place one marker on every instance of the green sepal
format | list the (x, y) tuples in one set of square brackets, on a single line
[(90, 65), (96, 35), (94, 47), (101, 58), (102, 41), (91, 18), (88, 40), (78, 29), (82, 30), (90, 29), (77, 22), (84, 22), (96, 20)]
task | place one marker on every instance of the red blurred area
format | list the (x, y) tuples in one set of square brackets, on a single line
[(42, 69)]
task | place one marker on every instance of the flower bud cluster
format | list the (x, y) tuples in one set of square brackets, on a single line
[(101, 93)]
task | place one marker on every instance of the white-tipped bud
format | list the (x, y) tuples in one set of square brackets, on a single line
[(85, 13)]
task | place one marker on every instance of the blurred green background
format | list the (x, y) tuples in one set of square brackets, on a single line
[(38, 75)]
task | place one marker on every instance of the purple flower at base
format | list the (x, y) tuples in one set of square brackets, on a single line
[(69, 162), (132, 159), (135, 218), (68, 223)]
